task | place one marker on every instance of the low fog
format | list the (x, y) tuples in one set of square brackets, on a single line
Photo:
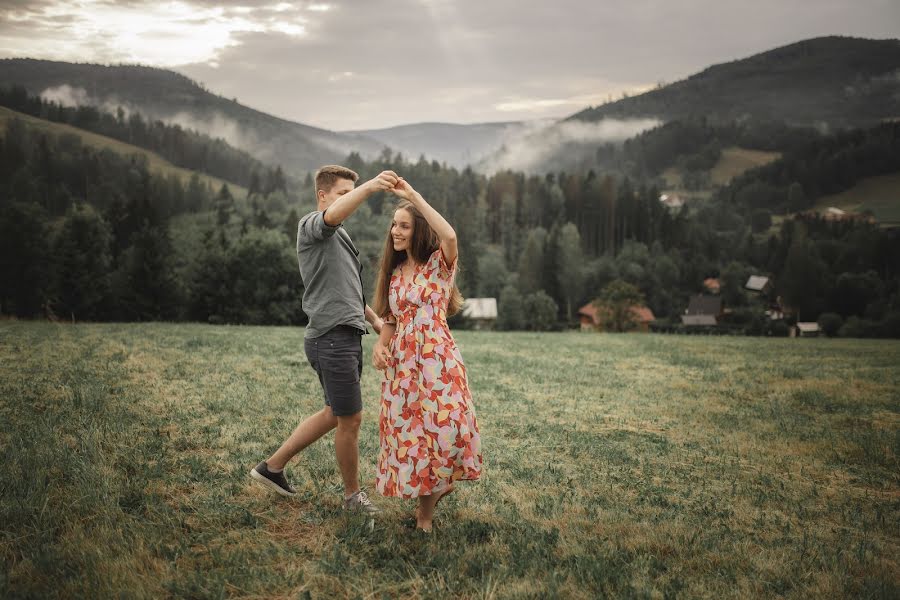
[(545, 146), (532, 147)]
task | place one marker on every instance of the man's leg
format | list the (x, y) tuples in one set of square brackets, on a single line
[(307, 432), (346, 447)]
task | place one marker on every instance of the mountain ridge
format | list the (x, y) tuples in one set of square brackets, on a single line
[(838, 80), (170, 96)]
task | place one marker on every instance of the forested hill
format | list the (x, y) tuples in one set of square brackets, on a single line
[(182, 147), (839, 81), (171, 97)]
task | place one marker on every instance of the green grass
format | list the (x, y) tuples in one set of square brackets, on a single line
[(615, 465), (734, 161), (155, 163), (878, 195)]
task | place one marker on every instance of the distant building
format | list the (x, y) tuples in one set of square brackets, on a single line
[(832, 213), (759, 284), (481, 311), (703, 310), (591, 318), (672, 200), (805, 329)]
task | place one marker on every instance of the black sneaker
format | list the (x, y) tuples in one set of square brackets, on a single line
[(276, 481)]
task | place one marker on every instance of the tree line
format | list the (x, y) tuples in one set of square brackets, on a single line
[(90, 234)]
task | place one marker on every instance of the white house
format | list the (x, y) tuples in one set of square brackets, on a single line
[(482, 311)]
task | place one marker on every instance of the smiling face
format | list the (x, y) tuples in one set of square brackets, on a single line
[(402, 229)]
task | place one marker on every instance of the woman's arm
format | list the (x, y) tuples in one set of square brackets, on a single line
[(441, 227), (381, 352), (374, 320)]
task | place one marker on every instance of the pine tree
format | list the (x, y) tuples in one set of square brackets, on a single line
[(82, 249)]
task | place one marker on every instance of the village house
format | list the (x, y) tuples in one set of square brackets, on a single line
[(758, 284), (805, 329), (703, 310), (591, 318), (672, 200), (832, 213), (712, 285), (482, 312)]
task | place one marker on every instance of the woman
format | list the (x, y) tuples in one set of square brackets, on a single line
[(429, 434)]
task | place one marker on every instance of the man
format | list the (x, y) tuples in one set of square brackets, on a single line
[(334, 302)]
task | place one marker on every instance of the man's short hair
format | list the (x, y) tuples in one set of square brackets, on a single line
[(328, 175)]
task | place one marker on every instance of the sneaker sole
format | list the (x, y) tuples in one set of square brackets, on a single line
[(270, 484)]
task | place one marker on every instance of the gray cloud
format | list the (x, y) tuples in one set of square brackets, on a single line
[(365, 64)]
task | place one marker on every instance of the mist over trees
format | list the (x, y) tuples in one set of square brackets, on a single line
[(182, 147), (90, 234)]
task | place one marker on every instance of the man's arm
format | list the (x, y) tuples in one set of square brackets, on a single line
[(374, 320), (344, 206)]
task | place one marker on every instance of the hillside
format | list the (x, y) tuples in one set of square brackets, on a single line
[(155, 163), (879, 196), (171, 97), (733, 161), (839, 81)]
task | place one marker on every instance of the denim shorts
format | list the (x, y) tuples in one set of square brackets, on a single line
[(336, 357)]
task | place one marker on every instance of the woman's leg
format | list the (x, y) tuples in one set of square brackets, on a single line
[(427, 506)]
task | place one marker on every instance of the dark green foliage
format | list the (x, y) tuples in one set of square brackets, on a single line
[(823, 165), (84, 260), (145, 285), (510, 309), (25, 259), (761, 220), (540, 311), (616, 302), (830, 323), (533, 242), (254, 280), (853, 292)]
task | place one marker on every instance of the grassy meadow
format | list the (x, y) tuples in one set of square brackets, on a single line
[(633, 466), (877, 195)]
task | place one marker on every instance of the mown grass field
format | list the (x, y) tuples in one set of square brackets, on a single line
[(734, 161), (615, 465), (878, 195)]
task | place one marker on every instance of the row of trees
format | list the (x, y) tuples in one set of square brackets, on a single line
[(91, 234)]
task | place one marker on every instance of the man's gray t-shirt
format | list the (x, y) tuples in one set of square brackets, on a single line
[(331, 272)]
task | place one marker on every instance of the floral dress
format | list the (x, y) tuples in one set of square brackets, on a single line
[(429, 434)]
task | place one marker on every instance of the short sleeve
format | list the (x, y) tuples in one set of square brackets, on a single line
[(312, 228), (437, 264)]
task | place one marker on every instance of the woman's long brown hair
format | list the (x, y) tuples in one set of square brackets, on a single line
[(422, 245)]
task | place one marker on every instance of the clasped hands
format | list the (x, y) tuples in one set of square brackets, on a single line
[(380, 356), (389, 181)]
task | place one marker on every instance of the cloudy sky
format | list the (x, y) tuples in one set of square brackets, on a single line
[(354, 64)]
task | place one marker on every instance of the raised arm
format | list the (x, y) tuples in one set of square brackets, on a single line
[(441, 227), (344, 206)]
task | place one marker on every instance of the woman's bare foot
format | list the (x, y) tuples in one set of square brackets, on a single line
[(426, 508)]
